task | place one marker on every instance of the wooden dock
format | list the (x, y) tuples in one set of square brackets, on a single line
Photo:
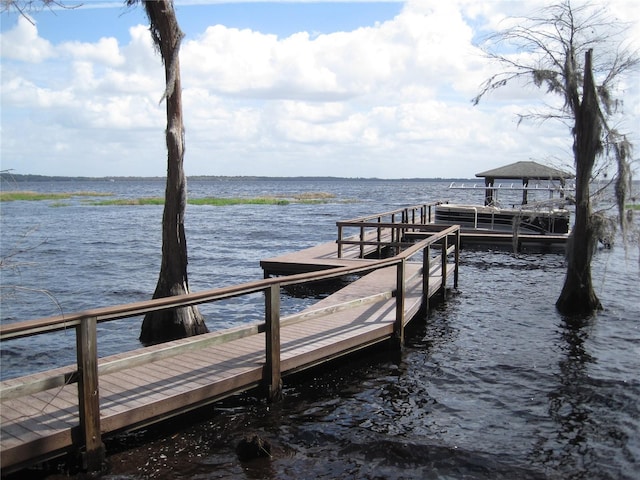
[(72, 409)]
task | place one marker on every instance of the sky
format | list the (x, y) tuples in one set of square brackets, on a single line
[(290, 88)]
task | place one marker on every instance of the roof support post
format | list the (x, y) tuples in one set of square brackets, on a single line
[(488, 193), (525, 185)]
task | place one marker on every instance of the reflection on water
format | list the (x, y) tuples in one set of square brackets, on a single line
[(591, 416)]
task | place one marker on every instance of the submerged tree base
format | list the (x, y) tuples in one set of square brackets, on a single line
[(580, 301), (167, 325)]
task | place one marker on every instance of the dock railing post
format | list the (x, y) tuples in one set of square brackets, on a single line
[(393, 229), (426, 271), (457, 261), (339, 241), (398, 326), (403, 228), (443, 268), (88, 394), (361, 241), (379, 238), (272, 375)]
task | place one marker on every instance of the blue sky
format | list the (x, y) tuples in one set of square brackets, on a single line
[(282, 19), (356, 89)]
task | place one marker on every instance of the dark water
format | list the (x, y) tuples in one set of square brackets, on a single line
[(493, 384)]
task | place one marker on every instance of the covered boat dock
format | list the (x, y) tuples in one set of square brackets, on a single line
[(525, 171)]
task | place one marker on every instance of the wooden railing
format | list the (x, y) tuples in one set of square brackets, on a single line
[(384, 230), (446, 241)]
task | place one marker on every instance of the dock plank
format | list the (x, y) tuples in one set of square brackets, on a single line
[(319, 257)]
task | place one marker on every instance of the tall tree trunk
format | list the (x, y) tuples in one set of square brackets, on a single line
[(578, 296), (181, 322)]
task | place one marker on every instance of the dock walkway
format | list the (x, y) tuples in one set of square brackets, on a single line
[(71, 409)]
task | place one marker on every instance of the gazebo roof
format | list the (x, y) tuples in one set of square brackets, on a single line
[(529, 170)]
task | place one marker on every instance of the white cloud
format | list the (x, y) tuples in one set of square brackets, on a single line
[(415, 47), (105, 52), (389, 100), (23, 43)]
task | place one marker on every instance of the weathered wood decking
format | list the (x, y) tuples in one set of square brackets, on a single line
[(317, 258), (41, 414)]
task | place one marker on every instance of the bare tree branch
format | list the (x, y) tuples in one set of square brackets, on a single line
[(23, 7)]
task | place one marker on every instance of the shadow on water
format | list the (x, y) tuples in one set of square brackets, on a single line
[(569, 402)]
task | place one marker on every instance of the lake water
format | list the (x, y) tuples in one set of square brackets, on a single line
[(493, 384)]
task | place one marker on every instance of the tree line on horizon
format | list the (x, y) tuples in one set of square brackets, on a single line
[(27, 177)]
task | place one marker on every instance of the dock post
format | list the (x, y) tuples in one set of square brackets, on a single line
[(272, 375), (457, 261), (379, 239), (398, 326), (426, 272), (403, 229), (443, 268), (393, 229), (88, 394)]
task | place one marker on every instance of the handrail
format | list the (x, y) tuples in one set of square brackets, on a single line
[(389, 213), (396, 229), (85, 323)]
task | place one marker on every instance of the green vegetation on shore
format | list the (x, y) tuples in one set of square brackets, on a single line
[(35, 196), (306, 197)]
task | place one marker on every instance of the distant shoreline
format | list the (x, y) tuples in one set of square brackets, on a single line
[(18, 177)]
